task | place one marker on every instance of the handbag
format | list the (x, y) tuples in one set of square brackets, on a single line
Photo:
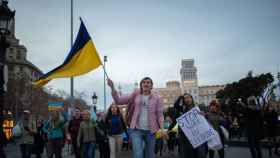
[(215, 143), (225, 132), (17, 131)]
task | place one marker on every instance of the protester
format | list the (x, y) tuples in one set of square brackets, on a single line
[(87, 136), (171, 142), (147, 117), (182, 105), (28, 128), (73, 129), (271, 124), (159, 144), (54, 128), (39, 139), (3, 141), (235, 130), (216, 118), (125, 144), (116, 127), (102, 137), (254, 126)]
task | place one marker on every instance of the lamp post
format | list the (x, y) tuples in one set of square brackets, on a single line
[(278, 85), (94, 102), (6, 17)]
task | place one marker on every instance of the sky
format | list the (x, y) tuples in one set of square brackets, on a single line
[(226, 38)]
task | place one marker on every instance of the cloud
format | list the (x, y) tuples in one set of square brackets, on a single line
[(150, 38)]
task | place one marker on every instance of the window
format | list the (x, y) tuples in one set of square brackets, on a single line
[(18, 55), (10, 56)]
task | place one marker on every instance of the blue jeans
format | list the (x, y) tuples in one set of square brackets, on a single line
[(88, 150), (143, 143)]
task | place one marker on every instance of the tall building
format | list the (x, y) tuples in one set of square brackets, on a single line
[(189, 80), (188, 70)]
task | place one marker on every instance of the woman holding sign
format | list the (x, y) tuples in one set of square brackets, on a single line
[(182, 105), (147, 117)]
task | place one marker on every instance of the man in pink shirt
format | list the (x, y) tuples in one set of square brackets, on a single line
[(147, 117)]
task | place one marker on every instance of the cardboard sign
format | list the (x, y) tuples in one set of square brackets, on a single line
[(195, 127)]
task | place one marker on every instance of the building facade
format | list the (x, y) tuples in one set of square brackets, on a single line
[(189, 84), (16, 59), (208, 93), (169, 93), (20, 74)]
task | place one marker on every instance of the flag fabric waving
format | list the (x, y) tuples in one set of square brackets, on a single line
[(82, 58)]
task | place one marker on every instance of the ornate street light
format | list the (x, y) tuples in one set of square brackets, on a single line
[(6, 18), (94, 101)]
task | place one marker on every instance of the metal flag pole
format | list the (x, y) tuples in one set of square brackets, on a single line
[(72, 78), (105, 75)]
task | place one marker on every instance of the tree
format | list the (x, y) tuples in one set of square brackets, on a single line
[(79, 98), (21, 95), (261, 86)]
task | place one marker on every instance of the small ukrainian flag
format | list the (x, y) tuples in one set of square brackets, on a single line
[(55, 106)]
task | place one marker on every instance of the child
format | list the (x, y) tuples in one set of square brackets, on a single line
[(159, 143), (125, 141)]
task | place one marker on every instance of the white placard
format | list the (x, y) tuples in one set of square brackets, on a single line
[(195, 127)]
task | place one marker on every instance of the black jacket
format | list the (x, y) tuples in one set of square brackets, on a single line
[(254, 122), (176, 112)]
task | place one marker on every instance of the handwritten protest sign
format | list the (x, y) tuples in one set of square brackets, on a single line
[(195, 127)]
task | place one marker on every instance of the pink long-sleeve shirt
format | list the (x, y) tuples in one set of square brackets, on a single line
[(155, 109)]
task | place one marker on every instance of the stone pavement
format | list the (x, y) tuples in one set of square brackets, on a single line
[(12, 151)]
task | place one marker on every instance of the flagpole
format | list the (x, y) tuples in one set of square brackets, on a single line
[(72, 78), (105, 74)]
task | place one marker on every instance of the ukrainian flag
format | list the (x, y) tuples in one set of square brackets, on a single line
[(82, 58), (55, 106)]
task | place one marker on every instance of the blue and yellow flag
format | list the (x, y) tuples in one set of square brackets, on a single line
[(55, 106), (82, 58)]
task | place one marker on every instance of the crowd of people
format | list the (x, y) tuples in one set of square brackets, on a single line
[(145, 128)]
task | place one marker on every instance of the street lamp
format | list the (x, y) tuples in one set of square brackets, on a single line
[(94, 101), (6, 18)]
